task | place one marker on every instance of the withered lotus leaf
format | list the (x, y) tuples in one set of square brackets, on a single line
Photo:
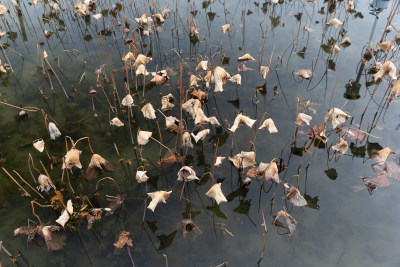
[(342, 146), (141, 176), (264, 70), (225, 28), (294, 196), (350, 6), (385, 46), (346, 42), (335, 23), (388, 68), (44, 183), (128, 56), (116, 122), (382, 155), (65, 215), (39, 144), (98, 166), (200, 135), (141, 60), (143, 137), (337, 117), (157, 197), (123, 240), (318, 132), (270, 125), (166, 102), (127, 101), (148, 111), (242, 120), (284, 220), (187, 140), (220, 78), (202, 65), (269, 171), (71, 159), (189, 226), (244, 159), (187, 174), (303, 119), (193, 81), (218, 161), (215, 192), (236, 79), (246, 57), (141, 70), (53, 130)]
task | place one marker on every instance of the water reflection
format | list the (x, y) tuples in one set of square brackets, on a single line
[(84, 54)]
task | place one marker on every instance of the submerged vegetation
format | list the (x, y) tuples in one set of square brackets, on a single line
[(184, 132)]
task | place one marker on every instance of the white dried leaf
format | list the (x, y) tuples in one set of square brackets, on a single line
[(116, 122), (342, 146), (269, 123), (65, 215), (215, 192), (236, 79), (53, 130), (148, 111), (335, 23), (242, 120), (143, 137), (337, 116), (220, 78), (303, 119), (157, 197), (39, 144), (200, 135)]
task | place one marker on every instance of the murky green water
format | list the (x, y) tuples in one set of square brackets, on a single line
[(342, 224)]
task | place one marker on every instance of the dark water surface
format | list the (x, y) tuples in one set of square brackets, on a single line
[(342, 225)]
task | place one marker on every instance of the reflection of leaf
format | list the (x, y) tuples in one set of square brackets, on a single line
[(12, 36), (166, 240), (264, 8), (211, 15), (225, 60), (358, 151), (189, 213), (298, 151), (87, 38), (322, 10), (331, 65), (205, 4), (57, 241), (301, 53), (359, 15), (328, 46), (372, 148), (331, 173), (244, 207), (221, 135), (240, 192), (312, 202), (152, 225), (217, 211), (275, 21), (298, 16), (235, 103)]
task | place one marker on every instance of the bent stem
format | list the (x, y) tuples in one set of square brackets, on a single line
[(108, 178)]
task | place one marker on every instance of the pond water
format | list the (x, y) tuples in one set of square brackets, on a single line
[(343, 223)]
